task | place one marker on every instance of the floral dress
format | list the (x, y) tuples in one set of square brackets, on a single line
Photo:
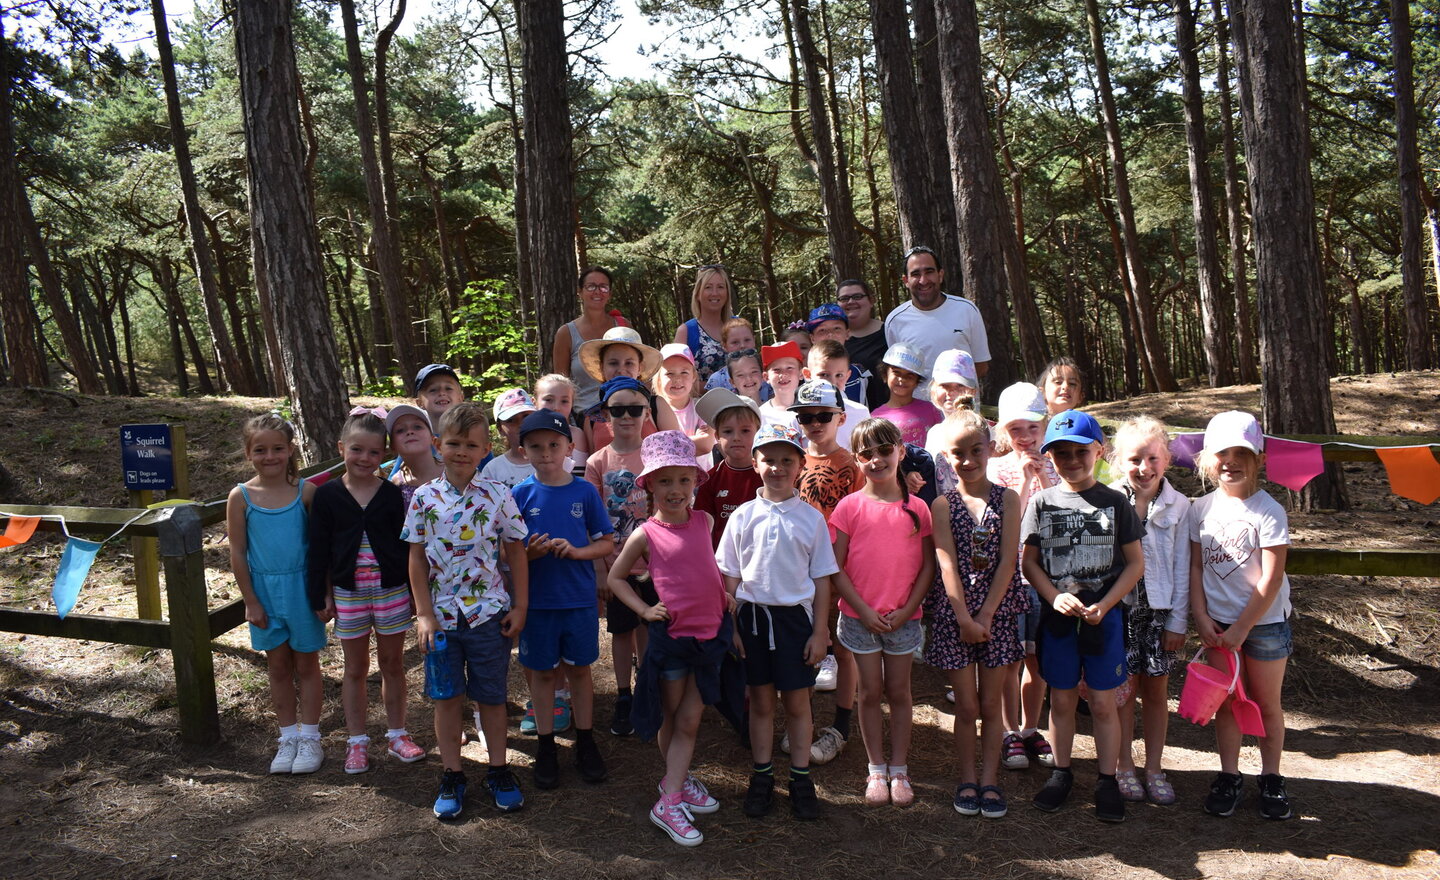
[(711, 356), (977, 553)]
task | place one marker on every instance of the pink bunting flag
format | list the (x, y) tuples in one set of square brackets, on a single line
[(1413, 471), (1292, 463)]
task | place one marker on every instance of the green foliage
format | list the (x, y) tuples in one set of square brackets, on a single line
[(486, 334)]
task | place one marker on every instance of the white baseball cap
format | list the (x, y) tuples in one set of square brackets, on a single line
[(1234, 428), (1021, 402)]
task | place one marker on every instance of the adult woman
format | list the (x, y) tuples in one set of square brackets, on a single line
[(595, 319), (866, 343), (710, 304)]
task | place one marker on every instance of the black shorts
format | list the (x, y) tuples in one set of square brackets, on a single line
[(619, 619), (774, 637)]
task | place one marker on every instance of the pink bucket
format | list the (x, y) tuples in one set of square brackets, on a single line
[(1206, 688)]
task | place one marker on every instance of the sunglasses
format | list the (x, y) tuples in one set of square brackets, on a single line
[(823, 418), (884, 450), (979, 558), (741, 354), (632, 411)]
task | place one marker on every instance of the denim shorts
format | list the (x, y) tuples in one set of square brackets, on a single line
[(479, 656), (854, 635), (1267, 641), (1030, 620), (554, 636)]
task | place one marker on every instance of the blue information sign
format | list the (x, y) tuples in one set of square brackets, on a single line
[(147, 457)]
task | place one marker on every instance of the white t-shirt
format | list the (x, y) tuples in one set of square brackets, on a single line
[(502, 470), (1231, 533), (777, 550), (955, 323)]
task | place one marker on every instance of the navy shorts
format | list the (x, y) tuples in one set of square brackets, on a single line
[(479, 656), (619, 619), (554, 636), (774, 637), (1061, 663), (1267, 641)]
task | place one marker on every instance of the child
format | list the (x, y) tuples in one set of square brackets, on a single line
[(1020, 430), (733, 420), (689, 624), (558, 393), (676, 382), (612, 470), (829, 323), (782, 370), (510, 409), (266, 519), (829, 474), (1063, 384), (412, 439), (903, 369), (974, 629), (887, 563), (797, 333), (1240, 598), (1082, 553), (953, 386), (437, 388), (458, 528), (830, 361), (1157, 611), (777, 562), (569, 530), (745, 372), (359, 575), (621, 353), (736, 335)]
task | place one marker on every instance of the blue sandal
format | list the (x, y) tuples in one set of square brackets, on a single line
[(991, 808), (967, 804)]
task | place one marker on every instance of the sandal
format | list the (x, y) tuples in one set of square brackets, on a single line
[(1160, 790), (992, 807), (1130, 787), (968, 804)]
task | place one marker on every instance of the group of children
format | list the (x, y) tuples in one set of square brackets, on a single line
[(746, 551)]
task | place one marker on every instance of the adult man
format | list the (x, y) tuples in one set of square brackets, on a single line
[(932, 320)]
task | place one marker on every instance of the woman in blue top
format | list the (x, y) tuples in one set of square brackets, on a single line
[(710, 303)]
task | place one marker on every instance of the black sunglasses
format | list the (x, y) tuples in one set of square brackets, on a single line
[(821, 417), (634, 411), (881, 451)]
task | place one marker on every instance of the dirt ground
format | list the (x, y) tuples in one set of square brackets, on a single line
[(98, 782)]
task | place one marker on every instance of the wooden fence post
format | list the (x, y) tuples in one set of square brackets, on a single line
[(147, 564), (182, 551)]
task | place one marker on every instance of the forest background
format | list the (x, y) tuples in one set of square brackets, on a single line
[(1085, 168)]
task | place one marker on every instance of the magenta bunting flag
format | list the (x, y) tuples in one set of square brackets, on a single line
[(1292, 463)]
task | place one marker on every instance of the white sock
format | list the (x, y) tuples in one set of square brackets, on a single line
[(562, 694), (478, 729), (361, 739), (899, 770), (1029, 731), (1012, 733), (310, 731), (882, 769), (289, 731), (396, 731)]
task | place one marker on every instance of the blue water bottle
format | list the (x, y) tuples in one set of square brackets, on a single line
[(439, 683)]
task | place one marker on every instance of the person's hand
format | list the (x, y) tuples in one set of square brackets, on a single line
[(815, 648), (425, 627), (1234, 637), (872, 620), (512, 623), (984, 619), (972, 633), (914, 482), (1209, 633), (1067, 603), (255, 615), (1093, 614), (327, 613), (561, 548), (1172, 641), (655, 612), (738, 642), (731, 603), (537, 546)]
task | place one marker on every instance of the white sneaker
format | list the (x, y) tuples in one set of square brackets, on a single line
[(829, 669), (285, 756), (828, 744), (308, 756)]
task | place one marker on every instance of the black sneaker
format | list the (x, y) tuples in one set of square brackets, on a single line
[(588, 760), (1056, 791), (1225, 792), (760, 796), (1274, 804), (1109, 805), (804, 803), (547, 765), (620, 723)]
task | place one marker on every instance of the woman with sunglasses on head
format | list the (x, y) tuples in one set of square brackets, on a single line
[(595, 318), (866, 342), (710, 304)]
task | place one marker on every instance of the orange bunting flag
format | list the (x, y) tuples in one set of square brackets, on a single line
[(19, 530), (1414, 473)]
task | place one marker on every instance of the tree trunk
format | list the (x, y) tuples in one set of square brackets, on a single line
[(235, 307), (284, 219), (1418, 351), (383, 242), (1246, 368), (928, 89), (977, 184), (1034, 347), (549, 159), (22, 353), (904, 138), (1215, 311), (1151, 344), (1294, 386)]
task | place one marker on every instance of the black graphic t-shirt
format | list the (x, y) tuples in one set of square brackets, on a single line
[(1080, 535)]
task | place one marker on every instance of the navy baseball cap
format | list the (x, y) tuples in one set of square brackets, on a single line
[(545, 420), (434, 369), (828, 312), (1072, 426)]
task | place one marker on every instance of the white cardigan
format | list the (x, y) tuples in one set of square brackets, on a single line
[(1167, 555)]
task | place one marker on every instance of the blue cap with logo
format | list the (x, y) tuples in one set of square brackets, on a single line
[(775, 432), (1072, 426), (545, 420), (827, 312)]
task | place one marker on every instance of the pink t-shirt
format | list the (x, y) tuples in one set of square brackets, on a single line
[(886, 551), (686, 578), (913, 419)]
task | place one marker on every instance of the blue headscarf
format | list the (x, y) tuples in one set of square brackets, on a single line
[(622, 383)]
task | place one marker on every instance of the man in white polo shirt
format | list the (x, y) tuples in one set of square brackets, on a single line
[(932, 320)]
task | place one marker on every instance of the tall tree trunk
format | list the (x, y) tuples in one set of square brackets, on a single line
[(834, 195), (1294, 385), (382, 119), (1150, 342), (383, 242), (1034, 347), (22, 353), (904, 138), (1246, 368), (442, 234), (928, 89), (1215, 310), (977, 183), (287, 239), (549, 160), (235, 307), (1418, 349)]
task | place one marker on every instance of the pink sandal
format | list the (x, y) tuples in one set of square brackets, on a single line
[(1160, 790)]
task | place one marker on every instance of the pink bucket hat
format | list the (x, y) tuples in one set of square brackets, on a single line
[(667, 449)]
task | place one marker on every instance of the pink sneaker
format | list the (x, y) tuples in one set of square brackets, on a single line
[(695, 797), (669, 814), (357, 758), (901, 793), (404, 748), (877, 790)]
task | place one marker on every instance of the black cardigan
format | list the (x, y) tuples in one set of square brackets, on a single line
[(336, 523)]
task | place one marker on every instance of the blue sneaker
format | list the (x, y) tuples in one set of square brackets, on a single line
[(527, 724), (504, 790), (451, 799), (562, 714)]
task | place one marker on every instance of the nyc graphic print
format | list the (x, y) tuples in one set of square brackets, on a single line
[(1078, 545)]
